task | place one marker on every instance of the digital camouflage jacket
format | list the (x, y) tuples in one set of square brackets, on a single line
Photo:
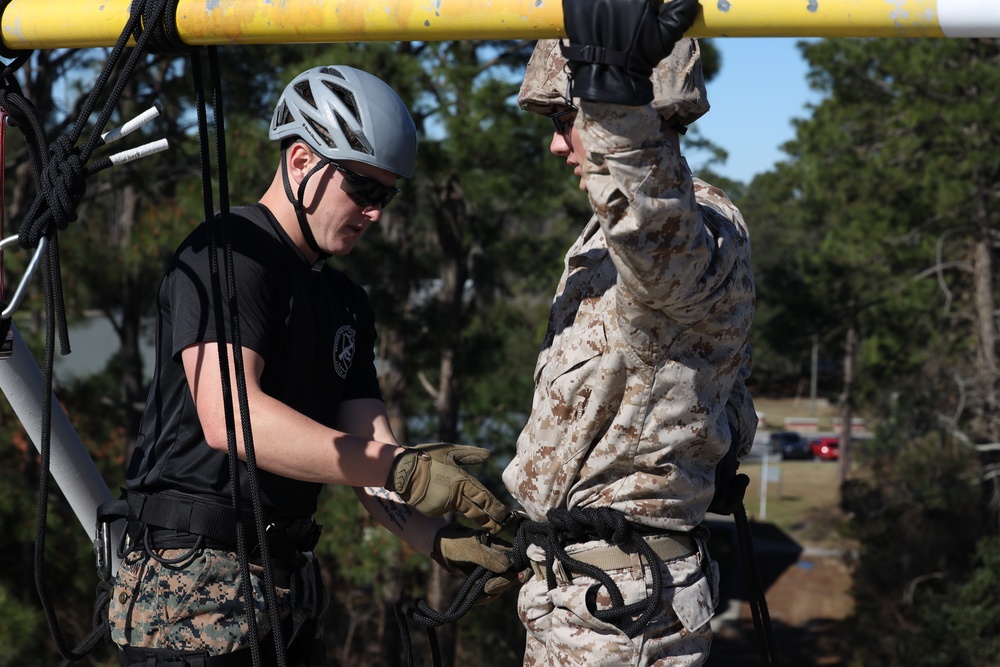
[(640, 383)]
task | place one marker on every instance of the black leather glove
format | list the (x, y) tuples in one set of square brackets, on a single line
[(730, 486), (615, 44), (429, 478), (460, 550)]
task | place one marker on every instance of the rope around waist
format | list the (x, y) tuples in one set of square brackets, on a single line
[(668, 547)]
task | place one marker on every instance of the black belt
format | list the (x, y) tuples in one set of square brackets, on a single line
[(179, 520), (666, 546)]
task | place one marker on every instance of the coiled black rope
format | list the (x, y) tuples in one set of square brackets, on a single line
[(423, 614), (571, 526), (562, 527), (163, 36)]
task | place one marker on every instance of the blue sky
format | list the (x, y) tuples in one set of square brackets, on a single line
[(759, 90)]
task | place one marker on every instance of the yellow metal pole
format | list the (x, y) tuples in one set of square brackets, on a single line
[(46, 24)]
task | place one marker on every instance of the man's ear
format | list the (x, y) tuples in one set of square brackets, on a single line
[(300, 160)]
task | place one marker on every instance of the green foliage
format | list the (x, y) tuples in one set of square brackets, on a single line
[(881, 222), (362, 551), (873, 223), (22, 630), (918, 517), (966, 611)]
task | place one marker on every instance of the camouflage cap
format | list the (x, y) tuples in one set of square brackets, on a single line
[(678, 83)]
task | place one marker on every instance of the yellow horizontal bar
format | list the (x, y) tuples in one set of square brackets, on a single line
[(47, 24)]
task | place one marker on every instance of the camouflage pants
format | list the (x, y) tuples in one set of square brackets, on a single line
[(198, 605), (562, 632)]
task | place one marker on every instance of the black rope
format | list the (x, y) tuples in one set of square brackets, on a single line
[(45, 450), (766, 644), (565, 526), (561, 528), (223, 229), (163, 36)]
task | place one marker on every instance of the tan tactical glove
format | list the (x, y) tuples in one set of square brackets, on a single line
[(460, 550), (428, 478)]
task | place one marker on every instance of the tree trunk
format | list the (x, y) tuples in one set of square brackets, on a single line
[(452, 221), (846, 412), (393, 354), (982, 266), (129, 328)]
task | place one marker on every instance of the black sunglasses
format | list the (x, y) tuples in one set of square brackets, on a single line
[(365, 190), (563, 120)]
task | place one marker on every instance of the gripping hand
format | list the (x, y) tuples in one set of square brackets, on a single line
[(460, 550), (615, 44), (429, 478)]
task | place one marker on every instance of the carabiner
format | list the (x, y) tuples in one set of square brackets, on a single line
[(28, 273)]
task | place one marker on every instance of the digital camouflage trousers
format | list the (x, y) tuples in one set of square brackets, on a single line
[(562, 630), (198, 604)]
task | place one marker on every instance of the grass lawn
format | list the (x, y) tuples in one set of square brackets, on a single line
[(777, 409), (804, 500)]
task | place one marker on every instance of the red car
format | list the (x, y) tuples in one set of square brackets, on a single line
[(826, 448)]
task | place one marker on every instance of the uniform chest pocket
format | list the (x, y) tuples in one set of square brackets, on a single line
[(573, 371), (574, 353)]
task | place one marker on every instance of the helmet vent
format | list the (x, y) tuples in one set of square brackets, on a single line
[(304, 91), (351, 103), (282, 116), (344, 96), (321, 132), (352, 139)]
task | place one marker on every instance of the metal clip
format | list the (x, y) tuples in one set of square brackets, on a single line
[(28, 273), (514, 519), (7, 342), (102, 549)]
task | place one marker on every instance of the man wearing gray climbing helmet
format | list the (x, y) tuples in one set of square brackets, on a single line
[(307, 334), (345, 114), (640, 384)]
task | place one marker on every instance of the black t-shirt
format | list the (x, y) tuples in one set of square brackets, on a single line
[(313, 327)]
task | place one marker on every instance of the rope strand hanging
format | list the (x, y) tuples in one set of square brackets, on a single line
[(216, 230), (60, 173)]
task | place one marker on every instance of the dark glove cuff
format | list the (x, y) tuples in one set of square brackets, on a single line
[(400, 472), (599, 83)]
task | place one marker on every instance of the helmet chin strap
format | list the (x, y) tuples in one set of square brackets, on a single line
[(300, 211)]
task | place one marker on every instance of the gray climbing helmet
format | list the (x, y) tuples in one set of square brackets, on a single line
[(343, 113)]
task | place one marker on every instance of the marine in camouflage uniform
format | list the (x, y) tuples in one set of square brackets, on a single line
[(640, 384)]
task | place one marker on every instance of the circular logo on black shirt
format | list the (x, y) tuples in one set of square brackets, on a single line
[(343, 350)]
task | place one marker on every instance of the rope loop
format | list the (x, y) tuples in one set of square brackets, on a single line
[(581, 524), (601, 523), (159, 19), (64, 183)]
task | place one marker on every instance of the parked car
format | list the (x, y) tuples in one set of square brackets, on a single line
[(826, 448), (790, 444)]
